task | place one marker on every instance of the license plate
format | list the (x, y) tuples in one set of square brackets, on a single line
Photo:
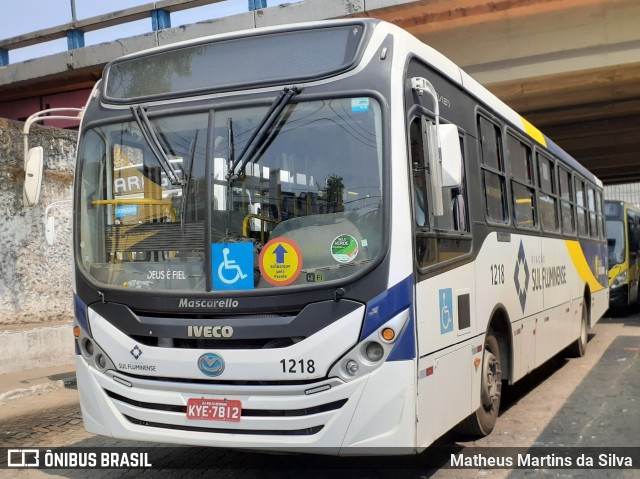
[(214, 409)]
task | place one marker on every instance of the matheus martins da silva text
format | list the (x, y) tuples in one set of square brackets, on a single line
[(547, 460)]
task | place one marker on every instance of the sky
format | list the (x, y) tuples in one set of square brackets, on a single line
[(26, 16)]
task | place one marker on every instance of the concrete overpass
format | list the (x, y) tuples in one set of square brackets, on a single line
[(572, 67)]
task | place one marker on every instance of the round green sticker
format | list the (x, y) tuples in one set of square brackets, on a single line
[(344, 248)]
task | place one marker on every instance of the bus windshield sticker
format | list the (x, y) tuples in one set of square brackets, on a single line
[(280, 261), (344, 248), (359, 104), (232, 265), (138, 284), (446, 310), (315, 277), (126, 210)]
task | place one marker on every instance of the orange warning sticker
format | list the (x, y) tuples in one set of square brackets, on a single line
[(280, 261)]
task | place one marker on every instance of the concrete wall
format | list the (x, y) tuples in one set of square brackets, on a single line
[(35, 278), (28, 347)]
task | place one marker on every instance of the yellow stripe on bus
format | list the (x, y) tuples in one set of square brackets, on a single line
[(581, 265), (533, 132)]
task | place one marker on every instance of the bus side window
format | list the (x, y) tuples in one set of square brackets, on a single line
[(567, 211), (591, 204), (581, 207), (434, 241), (454, 216), (547, 194), (522, 189), (459, 211), (418, 168), (633, 227), (493, 172)]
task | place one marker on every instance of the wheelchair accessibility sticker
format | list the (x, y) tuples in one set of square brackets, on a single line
[(232, 265), (446, 310), (280, 261)]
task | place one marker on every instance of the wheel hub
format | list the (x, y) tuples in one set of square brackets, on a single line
[(491, 379)]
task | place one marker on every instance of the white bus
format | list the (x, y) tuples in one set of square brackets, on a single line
[(334, 240)]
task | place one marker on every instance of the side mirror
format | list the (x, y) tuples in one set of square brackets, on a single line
[(33, 176), (451, 156)]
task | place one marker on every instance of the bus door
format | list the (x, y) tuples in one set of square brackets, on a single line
[(551, 275), (445, 300), (526, 250)]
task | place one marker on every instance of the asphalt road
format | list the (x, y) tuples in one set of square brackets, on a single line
[(590, 403)]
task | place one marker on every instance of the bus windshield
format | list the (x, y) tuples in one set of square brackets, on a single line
[(616, 242), (306, 209)]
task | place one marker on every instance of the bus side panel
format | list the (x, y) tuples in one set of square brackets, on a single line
[(385, 415), (596, 256), (599, 305), (569, 269), (446, 381), (507, 277), (447, 345), (563, 291)]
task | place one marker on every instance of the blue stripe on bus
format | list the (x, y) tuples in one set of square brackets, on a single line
[(80, 310), (384, 307), (405, 347)]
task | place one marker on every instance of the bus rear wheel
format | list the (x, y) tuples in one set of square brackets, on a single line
[(579, 347), (481, 422)]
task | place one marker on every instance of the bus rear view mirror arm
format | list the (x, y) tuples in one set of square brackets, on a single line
[(49, 220), (34, 157), (444, 146)]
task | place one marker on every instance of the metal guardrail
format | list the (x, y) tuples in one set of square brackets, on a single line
[(159, 12)]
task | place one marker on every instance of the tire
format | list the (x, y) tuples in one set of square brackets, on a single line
[(579, 347), (481, 422)]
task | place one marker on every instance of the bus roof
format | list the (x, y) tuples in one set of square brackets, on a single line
[(436, 59)]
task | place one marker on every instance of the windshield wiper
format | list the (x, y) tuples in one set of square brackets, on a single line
[(187, 180), (152, 140), (259, 135), (231, 163)]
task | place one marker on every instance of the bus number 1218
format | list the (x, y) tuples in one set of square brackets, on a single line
[(497, 274), (299, 366)]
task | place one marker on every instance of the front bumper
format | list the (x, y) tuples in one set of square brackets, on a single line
[(619, 297), (372, 412)]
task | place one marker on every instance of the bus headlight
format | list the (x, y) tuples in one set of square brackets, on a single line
[(91, 351), (371, 352), (352, 367), (620, 280), (101, 362), (374, 352)]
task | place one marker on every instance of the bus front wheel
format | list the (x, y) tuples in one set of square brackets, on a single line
[(481, 422)]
